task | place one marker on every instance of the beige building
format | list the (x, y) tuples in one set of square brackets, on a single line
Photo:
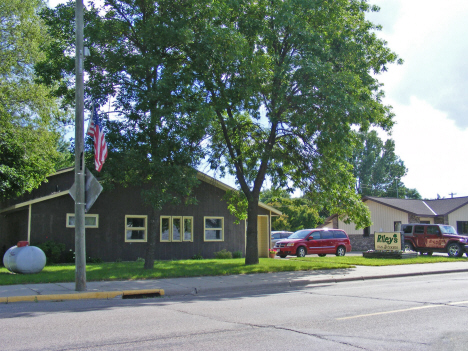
[(387, 214)]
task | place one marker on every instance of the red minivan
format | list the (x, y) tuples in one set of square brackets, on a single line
[(320, 241)]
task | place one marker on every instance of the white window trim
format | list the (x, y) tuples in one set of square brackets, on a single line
[(86, 216), (145, 229), (205, 229)]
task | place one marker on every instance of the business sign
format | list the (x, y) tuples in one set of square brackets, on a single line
[(387, 241)]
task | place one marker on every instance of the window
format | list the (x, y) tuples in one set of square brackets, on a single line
[(176, 229), (135, 228), (462, 227), (214, 228), (418, 229), (407, 229), (314, 236), (397, 226), (366, 231), (91, 220), (327, 234), (432, 229), (188, 229), (339, 234)]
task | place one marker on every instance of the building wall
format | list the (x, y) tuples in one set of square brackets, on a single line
[(362, 243), (107, 242), (53, 184), (460, 214), (13, 230), (426, 219), (382, 217)]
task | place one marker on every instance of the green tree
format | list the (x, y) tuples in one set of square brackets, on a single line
[(298, 213), (378, 170), (138, 63), (272, 194), (286, 80), (29, 133)]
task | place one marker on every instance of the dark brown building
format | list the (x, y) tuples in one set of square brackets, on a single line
[(118, 223)]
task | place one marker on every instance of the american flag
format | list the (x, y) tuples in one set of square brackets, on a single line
[(100, 146)]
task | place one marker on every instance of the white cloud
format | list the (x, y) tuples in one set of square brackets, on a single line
[(433, 149), (428, 92), (431, 37)]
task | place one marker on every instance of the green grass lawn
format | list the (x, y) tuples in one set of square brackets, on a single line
[(194, 268)]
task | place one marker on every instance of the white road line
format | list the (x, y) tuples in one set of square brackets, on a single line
[(403, 310)]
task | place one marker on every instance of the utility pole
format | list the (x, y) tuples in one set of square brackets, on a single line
[(80, 170)]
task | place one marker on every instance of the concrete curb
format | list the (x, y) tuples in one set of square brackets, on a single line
[(196, 291), (374, 277), (304, 282), (82, 295)]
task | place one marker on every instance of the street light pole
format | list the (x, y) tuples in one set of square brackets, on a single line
[(80, 244)]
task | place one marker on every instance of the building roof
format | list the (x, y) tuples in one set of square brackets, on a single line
[(201, 176), (423, 208)]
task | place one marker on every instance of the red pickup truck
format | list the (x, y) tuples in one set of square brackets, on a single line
[(429, 238)]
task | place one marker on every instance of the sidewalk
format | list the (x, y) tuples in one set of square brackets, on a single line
[(206, 285)]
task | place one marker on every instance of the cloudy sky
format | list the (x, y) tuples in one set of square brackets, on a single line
[(428, 92)]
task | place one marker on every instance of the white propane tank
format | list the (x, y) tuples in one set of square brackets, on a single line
[(25, 259)]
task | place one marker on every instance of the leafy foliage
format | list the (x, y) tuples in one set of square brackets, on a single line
[(223, 254), (378, 170), (139, 67), (237, 204), (298, 213), (29, 132), (279, 86), (286, 81)]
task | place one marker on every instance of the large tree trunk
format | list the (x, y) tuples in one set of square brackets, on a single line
[(151, 244), (251, 251)]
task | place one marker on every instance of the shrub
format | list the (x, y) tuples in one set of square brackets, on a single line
[(223, 254), (94, 260), (197, 257), (53, 251), (237, 254), (68, 256), (139, 260)]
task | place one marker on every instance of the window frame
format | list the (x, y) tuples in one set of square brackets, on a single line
[(181, 229), (161, 231), (171, 227), (191, 229), (205, 228), (69, 215), (145, 229), (463, 225)]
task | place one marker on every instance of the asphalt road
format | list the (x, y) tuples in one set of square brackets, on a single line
[(417, 313)]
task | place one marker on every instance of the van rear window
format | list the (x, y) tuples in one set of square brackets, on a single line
[(339, 234)]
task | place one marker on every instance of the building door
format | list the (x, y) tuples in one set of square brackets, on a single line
[(263, 236)]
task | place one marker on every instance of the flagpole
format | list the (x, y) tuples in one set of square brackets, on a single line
[(80, 245)]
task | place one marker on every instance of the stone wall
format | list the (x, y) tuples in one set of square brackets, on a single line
[(413, 218), (361, 243)]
